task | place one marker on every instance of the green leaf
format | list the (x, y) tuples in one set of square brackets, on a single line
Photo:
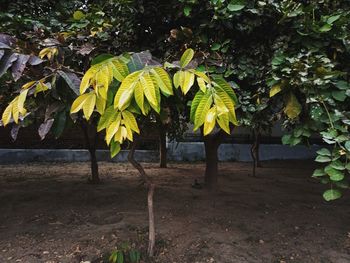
[(323, 159), (59, 124), (337, 165), (107, 118), (348, 167), (187, 10), (135, 256), (332, 194), (343, 85), (347, 145), (101, 58), (325, 28), (332, 19), (186, 57), (114, 148), (334, 174), (286, 139), (318, 173), (215, 46), (324, 152), (339, 95), (236, 5), (120, 257)]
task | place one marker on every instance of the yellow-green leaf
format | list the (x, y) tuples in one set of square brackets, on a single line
[(202, 75), (100, 104), (163, 80), (223, 121), (194, 104), (130, 121), (186, 57), (220, 105), (177, 79), (78, 15), (201, 84), (139, 97), (202, 110)]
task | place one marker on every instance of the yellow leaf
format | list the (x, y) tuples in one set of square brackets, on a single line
[(89, 105), (177, 79), (44, 52), (86, 81), (275, 89), (6, 115), (149, 90), (126, 89), (21, 99), (78, 103), (129, 134), (28, 85), (15, 111), (112, 130), (187, 81), (293, 107), (209, 122)]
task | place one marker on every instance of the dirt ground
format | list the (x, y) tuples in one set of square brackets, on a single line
[(49, 213)]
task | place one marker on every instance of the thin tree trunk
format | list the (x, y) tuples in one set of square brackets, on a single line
[(151, 188), (162, 147), (255, 150), (91, 140)]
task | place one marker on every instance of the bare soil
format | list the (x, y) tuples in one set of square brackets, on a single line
[(49, 213)]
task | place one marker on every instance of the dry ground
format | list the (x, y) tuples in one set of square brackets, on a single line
[(48, 213)]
